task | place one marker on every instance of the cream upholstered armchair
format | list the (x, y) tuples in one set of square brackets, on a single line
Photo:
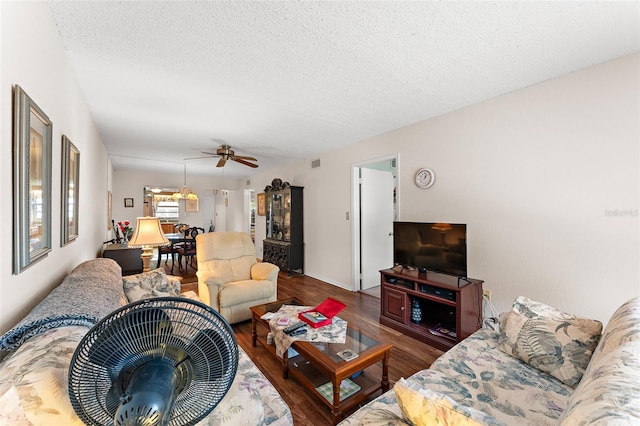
[(230, 279)]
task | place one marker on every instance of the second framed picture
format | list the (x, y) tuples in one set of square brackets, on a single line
[(128, 202), (191, 205), (70, 191), (262, 208)]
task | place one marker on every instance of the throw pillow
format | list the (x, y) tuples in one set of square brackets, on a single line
[(424, 407), (149, 284), (555, 342)]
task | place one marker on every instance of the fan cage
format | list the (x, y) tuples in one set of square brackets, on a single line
[(193, 336)]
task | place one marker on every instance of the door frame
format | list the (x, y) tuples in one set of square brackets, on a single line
[(355, 211)]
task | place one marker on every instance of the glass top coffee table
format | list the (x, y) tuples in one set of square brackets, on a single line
[(318, 363)]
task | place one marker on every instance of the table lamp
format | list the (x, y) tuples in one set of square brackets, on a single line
[(148, 234)]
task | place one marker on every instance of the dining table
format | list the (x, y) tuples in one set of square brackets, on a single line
[(175, 238)]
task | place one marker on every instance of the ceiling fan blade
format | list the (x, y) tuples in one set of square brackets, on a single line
[(246, 163), (210, 153), (221, 162), (196, 158), (242, 157)]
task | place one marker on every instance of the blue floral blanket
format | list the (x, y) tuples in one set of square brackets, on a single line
[(91, 291)]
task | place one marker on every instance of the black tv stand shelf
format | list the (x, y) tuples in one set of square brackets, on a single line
[(446, 302)]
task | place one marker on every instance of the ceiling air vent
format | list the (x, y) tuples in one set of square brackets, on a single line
[(315, 163)]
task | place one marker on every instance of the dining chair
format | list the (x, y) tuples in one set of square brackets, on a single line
[(181, 227), (171, 249), (184, 229), (187, 249), (168, 251)]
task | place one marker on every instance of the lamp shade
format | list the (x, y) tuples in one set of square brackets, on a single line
[(148, 233)]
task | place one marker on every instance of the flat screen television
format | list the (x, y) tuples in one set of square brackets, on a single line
[(437, 247)]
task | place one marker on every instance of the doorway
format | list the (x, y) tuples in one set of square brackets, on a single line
[(375, 202), (250, 212)]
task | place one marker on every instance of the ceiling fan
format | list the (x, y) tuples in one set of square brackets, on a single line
[(226, 153)]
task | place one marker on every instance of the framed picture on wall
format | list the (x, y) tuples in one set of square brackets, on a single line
[(262, 200), (191, 205), (70, 191), (128, 202), (110, 212), (32, 131)]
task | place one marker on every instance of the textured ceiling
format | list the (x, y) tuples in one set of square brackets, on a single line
[(288, 80)]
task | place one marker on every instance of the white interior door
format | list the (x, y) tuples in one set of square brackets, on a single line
[(376, 225), (220, 210), (207, 209)]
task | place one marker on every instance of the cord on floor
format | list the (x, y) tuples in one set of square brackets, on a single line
[(489, 315)]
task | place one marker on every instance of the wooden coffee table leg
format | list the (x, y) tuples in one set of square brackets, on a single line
[(285, 365), (254, 332), (336, 414), (385, 371)]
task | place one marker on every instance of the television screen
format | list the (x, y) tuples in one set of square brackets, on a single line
[(438, 247)]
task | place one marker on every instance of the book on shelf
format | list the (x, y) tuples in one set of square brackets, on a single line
[(347, 388), (439, 330)]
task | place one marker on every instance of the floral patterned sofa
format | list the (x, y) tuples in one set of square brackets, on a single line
[(37, 352), (543, 367)]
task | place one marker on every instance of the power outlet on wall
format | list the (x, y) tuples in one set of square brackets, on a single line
[(486, 293)]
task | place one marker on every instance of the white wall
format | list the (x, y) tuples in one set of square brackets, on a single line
[(130, 184), (32, 55), (533, 173)]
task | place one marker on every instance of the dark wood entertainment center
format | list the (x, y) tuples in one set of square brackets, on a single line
[(451, 302)]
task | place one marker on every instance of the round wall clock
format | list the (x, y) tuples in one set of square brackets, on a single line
[(425, 178)]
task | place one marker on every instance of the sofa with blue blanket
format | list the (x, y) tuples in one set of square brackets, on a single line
[(37, 351), (542, 367)]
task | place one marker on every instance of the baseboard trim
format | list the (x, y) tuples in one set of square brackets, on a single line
[(330, 281)]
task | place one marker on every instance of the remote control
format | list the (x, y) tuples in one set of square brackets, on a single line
[(298, 332), (293, 327)]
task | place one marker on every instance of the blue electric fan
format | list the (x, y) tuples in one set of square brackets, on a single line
[(161, 361)]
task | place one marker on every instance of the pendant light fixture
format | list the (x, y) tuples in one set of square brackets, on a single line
[(185, 193)]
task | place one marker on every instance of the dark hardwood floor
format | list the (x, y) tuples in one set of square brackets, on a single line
[(407, 356)]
